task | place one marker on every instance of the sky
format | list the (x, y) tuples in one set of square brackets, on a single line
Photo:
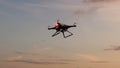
[(26, 42)]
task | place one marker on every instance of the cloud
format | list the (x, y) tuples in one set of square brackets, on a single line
[(36, 10), (92, 59), (26, 53), (85, 10), (39, 7), (91, 6), (29, 6), (34, 50), (20, 52), (94, 1), (39, 60), (104, 15), (15, 58), (113, 47)]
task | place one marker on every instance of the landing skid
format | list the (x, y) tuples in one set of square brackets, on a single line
[(56, 33), (67, 35), (63, 32)]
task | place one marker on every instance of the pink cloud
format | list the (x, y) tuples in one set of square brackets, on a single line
[(87, 57), (92, 59)]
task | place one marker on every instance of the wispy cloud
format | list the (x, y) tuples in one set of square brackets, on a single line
[(113, 47), (92, 59), (34, 50), (20, 52), (86, 10), (14, 58), (26, 53), (39, 61)]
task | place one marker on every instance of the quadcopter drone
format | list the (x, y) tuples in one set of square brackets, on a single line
[(61, 28)]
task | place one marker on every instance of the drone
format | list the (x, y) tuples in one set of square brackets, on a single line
[(59, 27)]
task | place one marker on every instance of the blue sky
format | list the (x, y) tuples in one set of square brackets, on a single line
[(21, 19), (24, 37)]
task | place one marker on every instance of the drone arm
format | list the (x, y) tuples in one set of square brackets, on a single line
[(69, 26), (74, 25), (51, 28)]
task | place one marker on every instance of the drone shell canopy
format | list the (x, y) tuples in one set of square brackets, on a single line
[(56, 25)]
